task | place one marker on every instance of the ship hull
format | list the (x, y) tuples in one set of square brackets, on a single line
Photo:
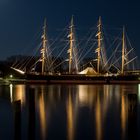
[(79, 79)]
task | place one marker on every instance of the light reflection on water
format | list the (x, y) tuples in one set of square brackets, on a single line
[(42, 113), (17, 93), (73, 111)]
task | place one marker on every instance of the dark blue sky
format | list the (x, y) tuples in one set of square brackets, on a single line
[(20, 19)]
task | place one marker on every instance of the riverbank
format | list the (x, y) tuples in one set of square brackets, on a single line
[(24, 81)]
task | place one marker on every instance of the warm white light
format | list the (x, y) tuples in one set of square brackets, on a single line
[(11, 92), (20, 93), (83, 94), (11, 76), (20, 71)]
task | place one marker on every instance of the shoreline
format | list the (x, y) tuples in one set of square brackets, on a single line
[(25, 81)]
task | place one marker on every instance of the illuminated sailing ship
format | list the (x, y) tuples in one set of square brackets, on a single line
[(100, 70)]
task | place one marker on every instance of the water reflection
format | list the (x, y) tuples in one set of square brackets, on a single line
[(70, 116), (11, 92), (86, 95), (98, 119), (17, 93), (74, 112), (42, 113), (17, 98), (129, 112), (124, 112)]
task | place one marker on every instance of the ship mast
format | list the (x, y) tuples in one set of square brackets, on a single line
[(43, 49), (123, 51), (71, 45), (98, 50)]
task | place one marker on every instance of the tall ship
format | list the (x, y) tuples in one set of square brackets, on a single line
[(69, 67)]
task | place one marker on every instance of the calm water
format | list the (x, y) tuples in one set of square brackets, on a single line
[(70, 112)]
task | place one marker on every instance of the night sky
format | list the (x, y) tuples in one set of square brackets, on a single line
[(20, 19)]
